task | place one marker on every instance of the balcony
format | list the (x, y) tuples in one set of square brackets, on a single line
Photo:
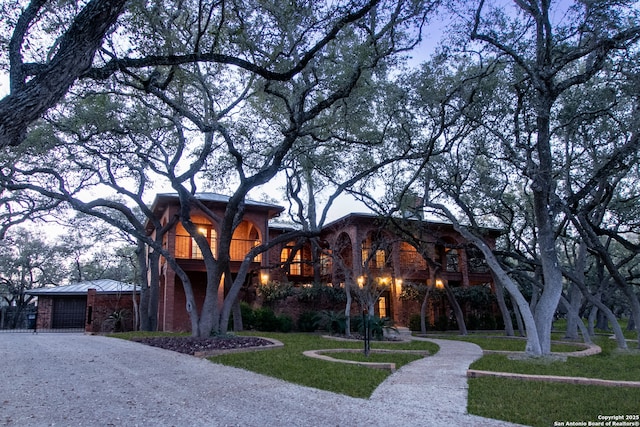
[(186, 248)]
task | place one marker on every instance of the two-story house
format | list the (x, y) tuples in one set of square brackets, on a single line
[(355, 248)]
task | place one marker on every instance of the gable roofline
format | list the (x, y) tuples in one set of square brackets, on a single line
[(361, 216), (102, 286), (162, 200), (215, 198)]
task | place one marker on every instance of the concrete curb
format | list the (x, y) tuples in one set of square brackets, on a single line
[(320, 354), (209, 353), (589, 351), (473, 373)]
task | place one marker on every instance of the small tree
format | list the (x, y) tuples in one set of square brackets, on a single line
[(27, 262)]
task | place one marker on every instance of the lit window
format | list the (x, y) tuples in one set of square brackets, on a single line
[(382, 307), (295, 265), (211, 235)]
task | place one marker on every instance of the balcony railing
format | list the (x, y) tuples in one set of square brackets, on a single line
[(186, 248)]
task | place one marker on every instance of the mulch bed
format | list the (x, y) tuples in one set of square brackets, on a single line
[(193, 345)]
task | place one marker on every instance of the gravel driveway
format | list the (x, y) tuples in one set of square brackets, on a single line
[(81, 380)]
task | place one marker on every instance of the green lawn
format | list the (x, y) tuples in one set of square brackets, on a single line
[(542, 404), (288, 363)]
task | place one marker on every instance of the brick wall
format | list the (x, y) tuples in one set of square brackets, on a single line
[(45, 313), (101, 306)]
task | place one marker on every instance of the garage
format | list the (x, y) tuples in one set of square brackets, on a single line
[(69, 312), (84, 305)]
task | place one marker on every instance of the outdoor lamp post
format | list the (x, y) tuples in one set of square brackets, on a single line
[(367, 332)]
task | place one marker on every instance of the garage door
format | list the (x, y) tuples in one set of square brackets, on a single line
[(69, 312)]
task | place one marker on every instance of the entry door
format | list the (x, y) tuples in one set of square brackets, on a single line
[(384, 305)]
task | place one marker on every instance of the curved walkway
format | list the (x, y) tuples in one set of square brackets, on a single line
[(436, 385), (74, 380)]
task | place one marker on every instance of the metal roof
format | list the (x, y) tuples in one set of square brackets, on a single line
[(102, 286), (221, 198)]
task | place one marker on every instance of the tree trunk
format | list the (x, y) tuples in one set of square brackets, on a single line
[(574, 302), (506, 316), (237, 316), (592, 320), (572, 313), (575, 293), (518, 316), (534, 345), (457, 310), (423, 311), (347, 310)]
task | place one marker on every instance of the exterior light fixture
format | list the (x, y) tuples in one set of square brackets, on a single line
[(264, 278), (361, 281), (439, 284)]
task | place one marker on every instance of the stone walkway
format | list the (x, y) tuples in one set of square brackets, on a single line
[(82, 380), (436, 384)]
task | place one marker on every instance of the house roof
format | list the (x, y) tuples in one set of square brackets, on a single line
[(102, 286), (221, 198), (368, 217)]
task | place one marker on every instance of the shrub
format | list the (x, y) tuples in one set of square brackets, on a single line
[(248, 316), (266, 320), (285, 323), (488, 321), (473, 322), (275, 290), (116, 321), (307, 321), (377, 326), (318, 292), (442, 323), (414, 322), (331, 321)]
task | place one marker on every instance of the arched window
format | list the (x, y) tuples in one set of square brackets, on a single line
[(245, 237), (186, 246)]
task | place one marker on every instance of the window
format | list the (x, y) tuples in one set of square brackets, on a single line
[(211, 235), (477, 263), (294, 266), (381, 258), (382, 307), (186, 246), (326, 264), (365, 254), (452, 260)]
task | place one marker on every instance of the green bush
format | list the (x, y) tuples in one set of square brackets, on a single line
[(414, 323), (248, 316), (275, 291), (488, 322), (472, 322), (266, 320), (317, 292), (442, 323), (285, 323), (307, 321), (331, 321), (377, 326)]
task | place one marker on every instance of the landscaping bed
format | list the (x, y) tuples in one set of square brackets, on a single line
[(196, 346)]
